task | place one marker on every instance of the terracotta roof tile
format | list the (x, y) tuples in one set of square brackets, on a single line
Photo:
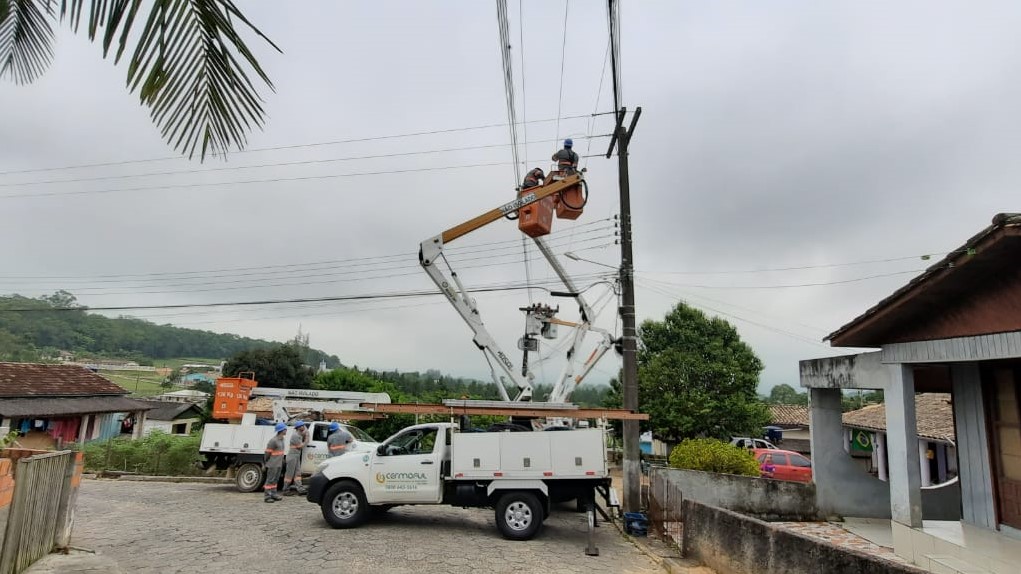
[(25, 380), (789, 415), (933, 411)]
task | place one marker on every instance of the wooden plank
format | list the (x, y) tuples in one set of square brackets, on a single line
[(498, 212), (434, 409)]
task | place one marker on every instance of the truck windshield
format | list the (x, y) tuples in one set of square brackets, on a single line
[(360, 435)]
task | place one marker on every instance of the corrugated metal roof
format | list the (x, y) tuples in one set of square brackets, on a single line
[(55, 407), (36, 380), (934, 416)]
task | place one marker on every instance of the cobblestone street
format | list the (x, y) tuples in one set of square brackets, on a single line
[(167, 528)]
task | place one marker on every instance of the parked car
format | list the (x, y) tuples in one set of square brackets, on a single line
[(745, 442), (787, 465)]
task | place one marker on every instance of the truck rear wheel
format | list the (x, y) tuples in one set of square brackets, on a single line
[(344, 505), (519, 515), (249, 477)]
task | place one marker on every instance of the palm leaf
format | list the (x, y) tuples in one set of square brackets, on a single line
[(190, 67), (26, 39)]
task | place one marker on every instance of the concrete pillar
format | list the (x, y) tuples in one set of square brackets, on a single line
[(136, 432), (924, 470), (902, 441), (972, 456), (81, 429), (880, 449), (827, 436), (847, 440)]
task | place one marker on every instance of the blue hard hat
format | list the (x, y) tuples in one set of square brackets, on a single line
[(280, 427), (334, 426), (299, 424), (568, 142)]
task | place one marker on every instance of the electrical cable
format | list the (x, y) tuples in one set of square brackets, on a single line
[(295, 146), (797, 285)]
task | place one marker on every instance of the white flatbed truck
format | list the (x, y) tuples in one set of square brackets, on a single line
[(242, 447), (519, 474)]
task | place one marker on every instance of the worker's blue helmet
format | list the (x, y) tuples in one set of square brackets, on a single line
[(299, 424), (280, 427), (568, 142), (334, 426)]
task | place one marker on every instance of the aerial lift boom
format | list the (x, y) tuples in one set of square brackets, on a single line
[(430, 255)]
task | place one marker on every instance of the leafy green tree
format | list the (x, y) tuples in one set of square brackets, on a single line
[(697, 378), (784, 394), (189, 65), (279, 367)]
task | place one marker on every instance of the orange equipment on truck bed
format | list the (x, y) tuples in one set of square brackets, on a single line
[(232, 393)]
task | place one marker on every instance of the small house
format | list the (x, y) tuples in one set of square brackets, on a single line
[(172, 417)]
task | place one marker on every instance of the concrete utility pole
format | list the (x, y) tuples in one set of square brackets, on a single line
[(632, 455)]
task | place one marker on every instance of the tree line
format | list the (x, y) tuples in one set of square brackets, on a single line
[(46, 325)]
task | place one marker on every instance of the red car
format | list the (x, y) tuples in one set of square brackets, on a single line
[(783, 465)]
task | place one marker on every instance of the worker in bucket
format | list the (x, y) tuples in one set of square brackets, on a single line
[(567, 160), (339, 440), (533, 178), (274, 461), (295, 448)]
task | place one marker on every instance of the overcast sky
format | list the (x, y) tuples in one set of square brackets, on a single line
[(773, 135)]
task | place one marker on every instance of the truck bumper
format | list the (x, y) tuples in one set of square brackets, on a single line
[(316, 487)]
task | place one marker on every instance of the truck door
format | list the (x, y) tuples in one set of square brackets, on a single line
[(316, 450), (406, 468)]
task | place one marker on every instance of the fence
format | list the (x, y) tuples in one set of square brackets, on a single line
[(41, 512)]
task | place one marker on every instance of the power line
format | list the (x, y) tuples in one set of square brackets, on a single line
[(733, 316), (801, 267), (265, 165), (250, 181), (361, 297), (563, 59), (796, 285), (455, 250), (297, 146)]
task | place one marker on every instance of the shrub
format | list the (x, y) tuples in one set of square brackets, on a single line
[(712, 455), (157, 453)]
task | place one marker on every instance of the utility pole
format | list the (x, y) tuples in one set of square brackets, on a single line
[(632, 454)]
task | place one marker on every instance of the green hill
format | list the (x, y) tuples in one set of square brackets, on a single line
[(38, 329)]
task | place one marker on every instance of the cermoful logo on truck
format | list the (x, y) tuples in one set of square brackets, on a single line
[(401, 477)]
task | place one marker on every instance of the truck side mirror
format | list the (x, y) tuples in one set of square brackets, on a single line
[(381, 450)]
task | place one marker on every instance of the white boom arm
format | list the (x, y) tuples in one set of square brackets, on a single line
[(431, 252)]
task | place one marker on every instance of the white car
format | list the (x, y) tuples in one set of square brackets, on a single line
[(745, 442)]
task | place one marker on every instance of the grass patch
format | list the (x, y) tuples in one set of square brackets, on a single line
[(156, 454)]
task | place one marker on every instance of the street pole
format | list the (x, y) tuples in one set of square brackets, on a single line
[(632, 455)]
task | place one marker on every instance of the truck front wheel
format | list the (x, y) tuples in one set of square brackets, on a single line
[(249, 477), (519, 515), (344, 505)]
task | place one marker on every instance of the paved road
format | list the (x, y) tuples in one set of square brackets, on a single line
[(167, 528)]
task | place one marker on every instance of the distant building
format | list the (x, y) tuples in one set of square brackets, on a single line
[(192, 378), (184, 396), (792, 420), (172, 417), (50, 406)]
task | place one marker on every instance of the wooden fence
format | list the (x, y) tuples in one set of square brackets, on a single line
[(41, 510)]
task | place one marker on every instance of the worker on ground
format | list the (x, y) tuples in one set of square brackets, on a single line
[(567, 160), (339, 440), (274, 461), (533, 178), (296, 447)]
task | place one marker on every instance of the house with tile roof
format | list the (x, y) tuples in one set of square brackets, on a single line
[(865, 438), (793, 422), (50, 406)]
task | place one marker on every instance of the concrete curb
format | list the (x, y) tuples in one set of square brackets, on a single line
[(665, 555), (180, 479)]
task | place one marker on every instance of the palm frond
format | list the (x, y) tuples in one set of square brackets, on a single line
[(26, 39), (190, 67)]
